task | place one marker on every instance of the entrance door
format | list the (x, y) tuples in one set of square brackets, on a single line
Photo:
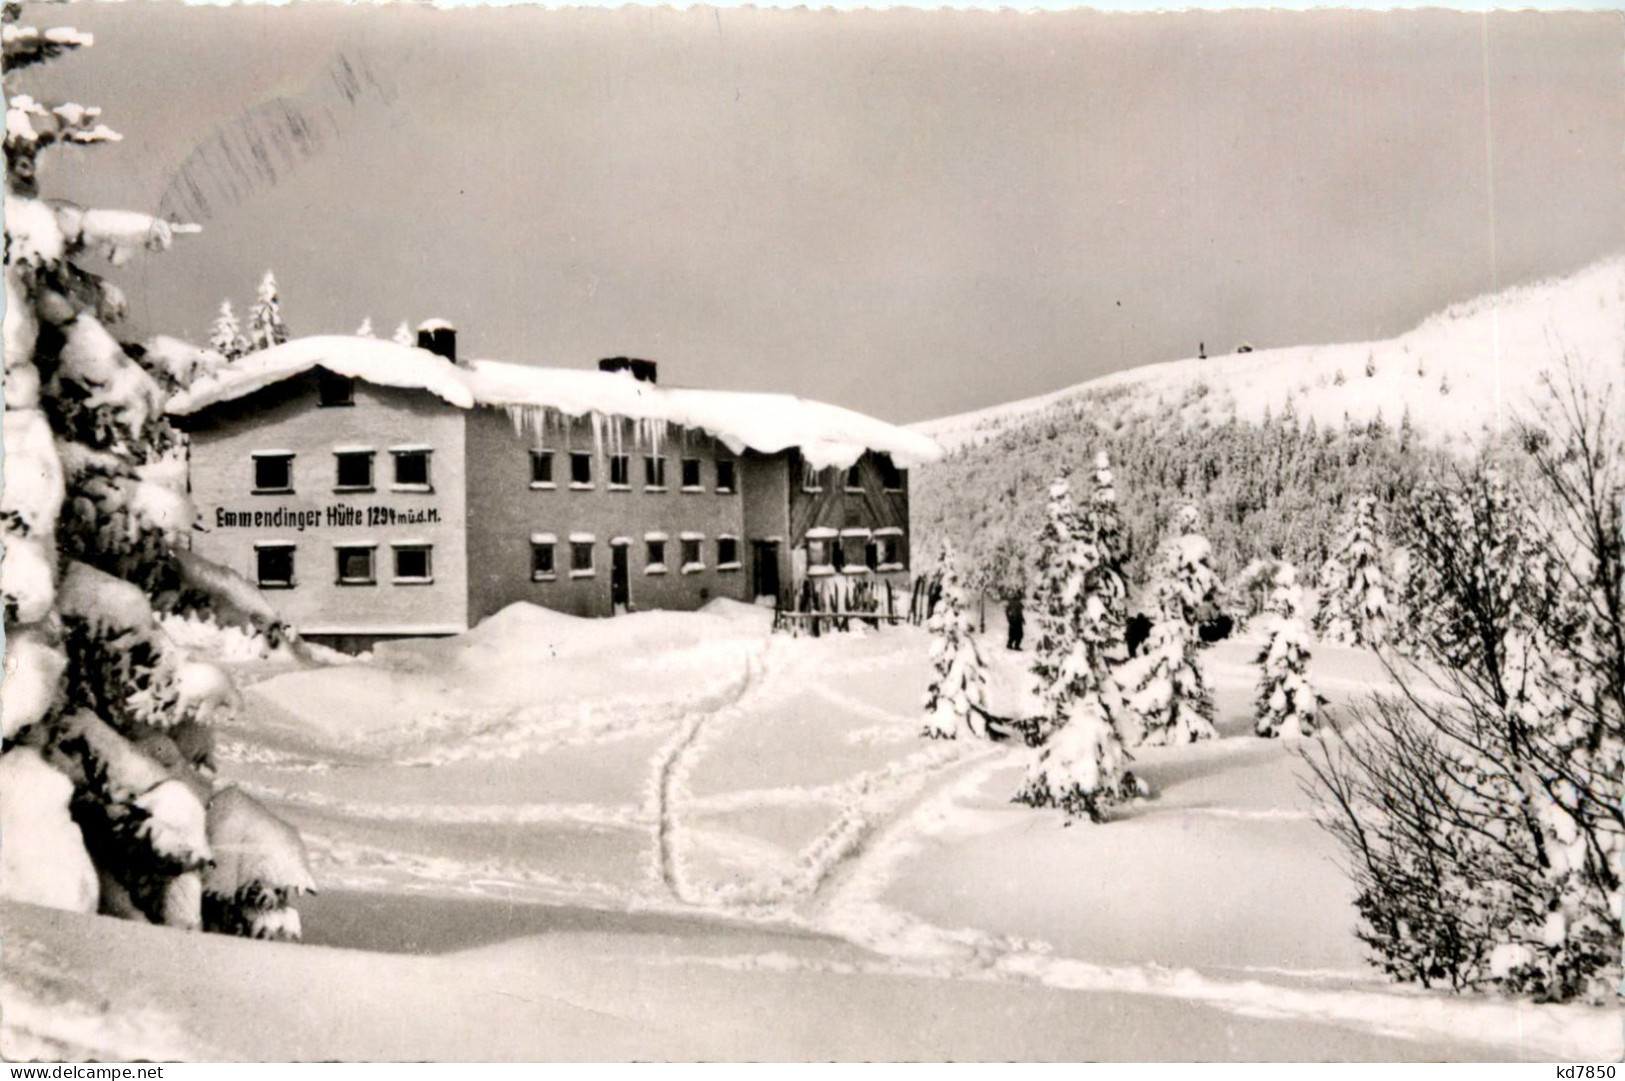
[(765, 568), (620, 577)]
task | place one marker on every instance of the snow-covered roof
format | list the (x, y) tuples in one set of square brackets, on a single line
[(371, 360), (826, 435)]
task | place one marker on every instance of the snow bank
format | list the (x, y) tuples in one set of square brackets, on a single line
[(525, 680), (43, 859), (827, 435)]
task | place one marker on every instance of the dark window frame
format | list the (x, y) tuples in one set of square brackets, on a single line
[(339, 552), (891, 477), (728, 553), (697, 484), (369, 456), (576, 550), (543, 477), (584, 460), (426, 550), (544, 552), (262, 489), (654, 555), (424, 485), (853, 481), (261, 551), (691, 547), (622, 464), (329, 384), (730, 466), (654, 472)]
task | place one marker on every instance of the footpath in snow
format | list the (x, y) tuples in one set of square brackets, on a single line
[(661, 836)]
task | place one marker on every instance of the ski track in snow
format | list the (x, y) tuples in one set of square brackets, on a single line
[(668, 784), (909, 946), (836, 884)]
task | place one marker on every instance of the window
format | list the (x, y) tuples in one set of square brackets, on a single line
[(337, 389), (273, 566), (580, 559), (818, 556), (273, 472), (580, 470), (354, 470), (854, 478), (541, 559), (412, 469), (886, 550), (541, 469), (691, 474), (355, 565), (654, 472), (655, 562), (811, 479), (854, 557), (693, 558), (891, 478), (620, 471), (726, 475), (727, 553), (413, 563)]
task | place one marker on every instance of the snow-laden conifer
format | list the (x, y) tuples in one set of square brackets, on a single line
[(958, 686), (403, 335), (226, 337), (265, 325), (365, 329), (1287, 705), (1080, 765), (1111, 586), (1353, 605), (92, 516), (1170, 698)]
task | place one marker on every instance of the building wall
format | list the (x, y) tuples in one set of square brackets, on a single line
[(767, 514), (505, 510), (288, 417), (834, 506)]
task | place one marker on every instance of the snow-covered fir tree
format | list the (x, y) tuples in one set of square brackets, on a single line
[(107, 802), (265, 325), (365, 329), (226, 337), (1080, 765), (1106, 524), (958, 685), (1170, 696), (1353, 606), (1287, 705), (403, 335)]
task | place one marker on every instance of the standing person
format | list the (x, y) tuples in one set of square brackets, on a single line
[(1015, 619)]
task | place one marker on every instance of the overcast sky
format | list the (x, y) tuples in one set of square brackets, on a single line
[(908, 213)]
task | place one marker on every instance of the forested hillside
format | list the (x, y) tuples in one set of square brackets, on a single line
[(1271, 489), (1270, 445)]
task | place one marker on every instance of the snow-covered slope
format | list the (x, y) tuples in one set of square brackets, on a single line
[(1461, 372)]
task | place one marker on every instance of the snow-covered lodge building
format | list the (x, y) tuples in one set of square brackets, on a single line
[(380, 491)]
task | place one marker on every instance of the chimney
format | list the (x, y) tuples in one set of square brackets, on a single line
[(644, 371), (438, 337)]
